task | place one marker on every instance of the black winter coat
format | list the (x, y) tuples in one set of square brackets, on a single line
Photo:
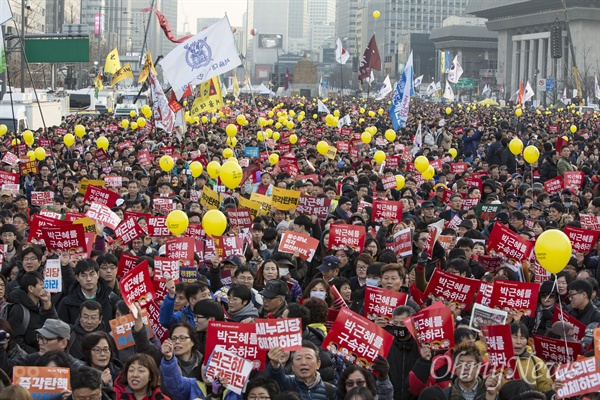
[(24, 336), (68, 309)]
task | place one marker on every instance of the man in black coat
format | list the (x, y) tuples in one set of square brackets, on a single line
[(548, 168), (403, 354)]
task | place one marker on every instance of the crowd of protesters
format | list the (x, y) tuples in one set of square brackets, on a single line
[(70, 329)]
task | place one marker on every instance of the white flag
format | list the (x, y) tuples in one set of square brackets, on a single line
[(431, 89), (574, 92), (386, 89), (449, 93), (341, 55), (438, 86), (322, 107), (321, 86), (528, 92), (371, 78), (418, 81), (5, 12), (564, 96), (417, 141), (486, 89), (596, 87), (209, 53), (344, 121), (455, 71), (163, 115)]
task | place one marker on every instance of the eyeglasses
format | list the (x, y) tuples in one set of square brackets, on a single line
[(91, 275), (30, 259), (95, 396), (463, 187), (89, 317), (258, 397), (358, 383), (197, 317), (233, 299), (100, 350), (112, 267), (245, 279), (574, 294), (43, 339), (362, 267), (179, 339)]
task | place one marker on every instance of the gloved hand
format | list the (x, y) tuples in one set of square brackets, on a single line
[(381, 366), (422, 258), (216, 387), (4, 337)]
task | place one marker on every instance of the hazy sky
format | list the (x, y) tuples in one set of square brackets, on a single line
[(193, 9)]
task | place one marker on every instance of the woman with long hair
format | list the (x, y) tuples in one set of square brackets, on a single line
[(99, 353), (139, 380)]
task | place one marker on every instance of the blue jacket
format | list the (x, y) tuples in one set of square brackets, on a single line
[(470, 143), (168, 318), (284, 381)]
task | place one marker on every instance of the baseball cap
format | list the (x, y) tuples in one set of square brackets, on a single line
[(537, 206), (329, 263), (20, 196), (427, 204), (502, 217), (54, 329), (274, 288), (5, 193), (233, 259), (465, 223)]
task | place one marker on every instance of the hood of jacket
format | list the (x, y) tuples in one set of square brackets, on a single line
[(248, 310), (20, 296)]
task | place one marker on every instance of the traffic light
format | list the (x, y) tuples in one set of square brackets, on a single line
[(556, 41)]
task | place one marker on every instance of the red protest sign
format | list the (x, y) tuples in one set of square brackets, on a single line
[(434, 326), (582, 240), (126, 263), (143, 157), (311, 205), (165, 268), (239, 217), (578, 327), (342, 146), (434, 233), (153, 310), (163, 206), (113, 181), (357, 339), (554, 185), (578, 378), (240, 339), (573, 179), (402, 243), (380, 302), (42, 198), (292, 242), (229, 246), (10, 158), (195, 231), (28, 167), (68, 238), (95, 194), (589, 221), (490, 264), (181, 249), (515, 296), (387, 210), (101, 156), (498, 340), (459, 167), (280, 332), (8, 177), (137, 285), (446, 196), (104, 215), (474, 182), (343, 236), (452, 288), (557, 350), (39, 223), (157, 226), (128, 230), (508, 244), (467, 204)]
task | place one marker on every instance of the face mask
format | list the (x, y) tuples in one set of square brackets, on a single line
[(400, 332), (372, 282), (283, 272), (318, 295)]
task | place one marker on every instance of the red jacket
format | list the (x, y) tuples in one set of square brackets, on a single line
[(122, 394)]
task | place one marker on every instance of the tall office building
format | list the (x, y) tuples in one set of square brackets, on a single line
[(35, 20), (59, 12), (203, 23)]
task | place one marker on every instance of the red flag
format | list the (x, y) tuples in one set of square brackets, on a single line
[(164, 24), (370, 60), (521, 93), (174, 105), (287, 79)]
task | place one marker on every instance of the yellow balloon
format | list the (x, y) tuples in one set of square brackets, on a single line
[(196, 169), (232, 159), (141, 122), (147, 113), (16, 142), (531, 154), (293, 139), (177, 222), (518, 112), (124, 123), (102, 143), (204, 119), (214, 223), (573, 128), (213, 168), (315, 116), (69, 140), (365, 137), (133, 125), (278, 125), (40, 153), (323, 147), (110, 110), (399, 182), (371, 113), (227, 153), (361, 110), (166, 163), (3, 129), (380, 111), (79, 130), (553, 250), (231, 174), (379, 156), (428, 173), (515, 146), (31, 155), (336, 113), (448, 110), (28, 137), (300, 118), (390, 135), (260, 135), (231, 141), (273, 159), (132, 113), (231, 130), (453, 152), (376, 14), (276, 135), (213, 120), (421, 163)]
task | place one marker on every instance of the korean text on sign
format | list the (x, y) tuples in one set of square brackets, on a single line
[(225, 364)]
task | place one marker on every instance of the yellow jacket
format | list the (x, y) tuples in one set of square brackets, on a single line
[(533, 370)]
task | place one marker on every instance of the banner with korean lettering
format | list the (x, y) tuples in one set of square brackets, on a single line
[(157, 226), (578, 327), (434, 326), (311, 205), (252, 206), (228, 365), (389, 183), (121, 329), (52, 276), (402, 243), (126, 263), (454, 289), (578, 378), (506, 243), (387, 210), (165, 268), (239, 217), (379, 302), (39, 223), (490, 264), (113, 181), (487, 212), (137, 285), (68, 238), (42, 198), (281, 332), (104, 215), (285, 199), (240, 339), (264, 201), (458, 167), (573, 180), (292, 242), (521, 297), (553, 185), (43, 382), (8, 177), (128, 230), (163, 205), (357, 339), (181, 249), (590, 221), (226, 246), (27, 167), (582, 240), (84, 183), (557, 350), (483, 315), (498, 340), (343, 236), (210, 198)]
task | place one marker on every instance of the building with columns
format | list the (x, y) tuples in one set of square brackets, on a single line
[(524, 51)]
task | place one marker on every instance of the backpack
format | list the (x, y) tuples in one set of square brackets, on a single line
[(8, 308), (439, 139), (329, 388)]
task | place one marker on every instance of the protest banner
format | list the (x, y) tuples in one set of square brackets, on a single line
[(446, 241), (104, 215), (468, 204), (343, 236), (498, 341), (474, 182), (136, 285), (357, 339), (43, 382), (490, 264), (163, 206), (121, 329), (582, 240), (281, 332), (557, 350), (13, 188), (157, 226), (454, 222), (578, 378), (84, 183), (52, 276), (39, 223), (239, 217), (292, 242), (89, 226), (8, 177), (454, 289), (101, 156), (210, 198), (553, 185), (560, 315), (28, 167), (188, 275), (311, 205), (181, 249), (195, 231), (387, 210), (113, 181), (573, 180), (264, 201), (521, 297), (229, 246), (126, 264), (458, 167), (42, 198), (228, 365), (484, 294), (482, 316), (252, 206), (589, 221), (165, 268), (68, 238), (506, 243), (153, 310), (402, 243), (433, 326), (343, 146), (434, 233), (487, 212), (240, 339), (128, 231), (380, 302)]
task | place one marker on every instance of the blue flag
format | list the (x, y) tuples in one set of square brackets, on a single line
[(401, 100)]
